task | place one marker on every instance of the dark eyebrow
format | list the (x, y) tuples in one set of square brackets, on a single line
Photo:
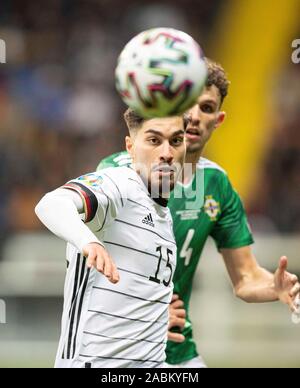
[(155, 132), (177, 133), (208, 102)]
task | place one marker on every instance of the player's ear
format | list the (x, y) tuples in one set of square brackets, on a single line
[(129, 145), (221, 119)]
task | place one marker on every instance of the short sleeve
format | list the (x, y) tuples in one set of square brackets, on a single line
[(232, 229)]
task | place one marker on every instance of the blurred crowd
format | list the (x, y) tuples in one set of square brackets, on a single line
[(59, 111), (60, 114), (275, 206)]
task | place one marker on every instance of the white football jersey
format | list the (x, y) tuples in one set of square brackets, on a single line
[(123, 325)]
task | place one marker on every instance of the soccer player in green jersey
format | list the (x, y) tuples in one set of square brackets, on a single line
[(220, 215)]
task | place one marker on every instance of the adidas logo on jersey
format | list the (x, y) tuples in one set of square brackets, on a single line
[(149, 220)]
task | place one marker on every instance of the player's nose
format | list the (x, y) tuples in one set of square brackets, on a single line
[(166, 154), (194, 116)]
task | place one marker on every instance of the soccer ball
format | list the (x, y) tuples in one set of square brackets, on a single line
[(161, 72)]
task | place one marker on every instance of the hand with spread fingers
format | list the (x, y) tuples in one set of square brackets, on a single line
[(287, 285)]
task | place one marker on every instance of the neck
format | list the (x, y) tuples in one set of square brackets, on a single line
[(158, 197), (191, 158), (161, 201)]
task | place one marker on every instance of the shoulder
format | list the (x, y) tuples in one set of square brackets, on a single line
[(119, 175), (213, 171), (128, 183), (124, 177), (119, 159), (216, 177), (113, 181), (206, 164)]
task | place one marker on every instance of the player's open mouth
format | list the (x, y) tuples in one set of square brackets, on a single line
[(193, 134)]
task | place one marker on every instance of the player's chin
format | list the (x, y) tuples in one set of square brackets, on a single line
[(192, 147)]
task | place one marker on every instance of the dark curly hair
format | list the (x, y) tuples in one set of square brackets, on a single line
[(217, 77)]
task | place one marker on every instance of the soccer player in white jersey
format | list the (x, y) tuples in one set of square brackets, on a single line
[(120, 319)]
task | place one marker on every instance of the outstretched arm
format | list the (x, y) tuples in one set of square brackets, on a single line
[(254, 284), (59, 211)]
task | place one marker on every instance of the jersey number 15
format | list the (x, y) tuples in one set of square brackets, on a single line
[(155, 278)]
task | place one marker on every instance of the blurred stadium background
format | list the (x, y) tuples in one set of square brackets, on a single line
[(60, 114)]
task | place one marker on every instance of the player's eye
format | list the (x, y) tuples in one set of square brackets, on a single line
[(177, 141), (153, 141), (206, 108)]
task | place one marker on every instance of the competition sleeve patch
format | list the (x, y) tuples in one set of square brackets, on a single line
[(89, 199)]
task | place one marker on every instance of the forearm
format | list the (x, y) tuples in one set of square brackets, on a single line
[(259, 287), (254, 284), (59, 213)]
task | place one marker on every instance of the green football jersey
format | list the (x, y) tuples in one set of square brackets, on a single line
[(218, 213)]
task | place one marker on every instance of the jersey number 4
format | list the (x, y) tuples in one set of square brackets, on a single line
[(187, 252), (155, 278)]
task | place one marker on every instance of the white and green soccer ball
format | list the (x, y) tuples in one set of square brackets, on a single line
[(161, 72)]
